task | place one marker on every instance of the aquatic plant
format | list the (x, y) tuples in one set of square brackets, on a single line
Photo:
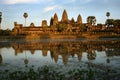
[(47, 73)]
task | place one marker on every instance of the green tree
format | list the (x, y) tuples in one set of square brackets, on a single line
[(62, 27), (117, 25), (108, 14), (32, 24), (109, 23), (91, 55), (25, 15), (6, 32), (91, 20), (117, 22)]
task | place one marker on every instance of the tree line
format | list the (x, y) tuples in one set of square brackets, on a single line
[(6, 32)]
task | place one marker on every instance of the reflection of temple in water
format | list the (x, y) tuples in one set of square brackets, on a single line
[(67, 49)]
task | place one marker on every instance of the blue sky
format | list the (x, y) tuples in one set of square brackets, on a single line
[(38, 10)]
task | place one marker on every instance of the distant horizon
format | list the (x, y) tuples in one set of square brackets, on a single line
[(38, 10)]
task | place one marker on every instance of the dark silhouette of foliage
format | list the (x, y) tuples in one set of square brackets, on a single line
[(62, 27), (108, 14), (117, 22), (109, 22), (25, 15), (6, 32), (32, 24), (91, 20), (51, 21)]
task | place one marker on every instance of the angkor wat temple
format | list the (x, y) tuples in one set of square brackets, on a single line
[(65, 27)]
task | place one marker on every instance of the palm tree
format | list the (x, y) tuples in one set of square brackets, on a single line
[(25, 15), (0, 19), (108, 14)]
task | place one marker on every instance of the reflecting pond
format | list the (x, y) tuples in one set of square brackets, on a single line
[(64, 54)]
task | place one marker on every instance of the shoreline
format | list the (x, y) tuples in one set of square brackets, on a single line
[(82, 39), (59, 37)]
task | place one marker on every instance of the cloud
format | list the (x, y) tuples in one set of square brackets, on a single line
[(19, 1), (50, 8), (22, 1)]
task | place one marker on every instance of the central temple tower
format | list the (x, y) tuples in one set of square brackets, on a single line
[(64, 16), (55, 21)]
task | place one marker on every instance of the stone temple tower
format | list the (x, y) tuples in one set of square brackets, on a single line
[(55, 20), (64, 16), (79, 19), (44, 23)]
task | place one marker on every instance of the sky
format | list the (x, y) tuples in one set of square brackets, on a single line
[(38, 10)]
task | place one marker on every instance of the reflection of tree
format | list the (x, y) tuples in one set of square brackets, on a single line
[(91, 55), (108, 60), (26, 60), (112, 52), (0, 58)]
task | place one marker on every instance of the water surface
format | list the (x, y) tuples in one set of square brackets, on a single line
[(63, 54)]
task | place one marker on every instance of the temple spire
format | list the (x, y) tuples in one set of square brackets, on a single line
[(55, 21), (64, 16), (79, 19)]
